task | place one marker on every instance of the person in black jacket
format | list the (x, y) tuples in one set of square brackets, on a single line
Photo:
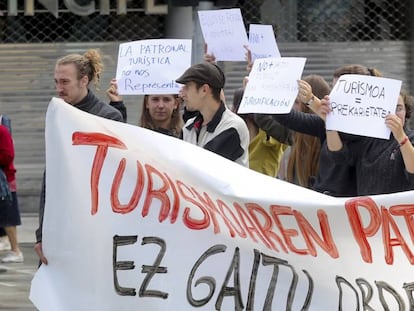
[(73, 75)]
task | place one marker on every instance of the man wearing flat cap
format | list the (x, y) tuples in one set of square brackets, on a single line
[(215, 127)]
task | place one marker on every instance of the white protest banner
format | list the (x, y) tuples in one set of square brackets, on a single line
[(224, 32), (360, 104), (151, 66), (273, 85), (137, 220), (262, 42)]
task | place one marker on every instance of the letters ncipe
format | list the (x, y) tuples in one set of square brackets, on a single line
[(52, 6)]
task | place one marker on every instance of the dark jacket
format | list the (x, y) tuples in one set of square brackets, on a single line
[(120, 106), (281, 133), (336, 179), (94, 105), (379, 164)]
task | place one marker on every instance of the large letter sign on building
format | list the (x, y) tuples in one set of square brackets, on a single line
[(52, 6)]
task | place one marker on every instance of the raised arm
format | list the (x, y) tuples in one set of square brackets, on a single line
[(396, 126), (115, 100), (249, 58), (112, 91), (273, 128), (209, 58), (322, 109)]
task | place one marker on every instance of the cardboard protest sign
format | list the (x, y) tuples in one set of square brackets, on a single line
[(262, 42), (360, 104), (224, 33), (272, 86), (137, 220), (151, 66)]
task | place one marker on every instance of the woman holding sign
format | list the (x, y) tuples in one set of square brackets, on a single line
[(382, 166), (333, 178), (160, 112)]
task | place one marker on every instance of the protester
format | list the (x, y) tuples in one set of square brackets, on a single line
[(189, 114), (303, 163), (265, 122), (4, 240), (160, 112), (265, 152), (303, 157), (335, 179), (73, 75), (10, 216), (382, 166), (215, 128), (300, 161)]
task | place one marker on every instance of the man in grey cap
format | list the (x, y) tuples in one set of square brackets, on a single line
[(215, 128)]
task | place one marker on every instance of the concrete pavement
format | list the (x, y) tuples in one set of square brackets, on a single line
[(15, 278)]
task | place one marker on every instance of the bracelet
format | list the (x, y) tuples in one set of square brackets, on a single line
[(402, 143)]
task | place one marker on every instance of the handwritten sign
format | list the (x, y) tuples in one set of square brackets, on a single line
[(262, 42), (360, 104), (224, 33), (151, 66), (272, 86), (161, 224)]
